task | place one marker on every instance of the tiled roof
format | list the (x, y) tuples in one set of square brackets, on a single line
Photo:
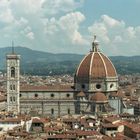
[(62, 136), (81, 94), (62, 88), (39, 120), (112, 119), (136, 130), (86, 133), (109, 125), (120, 94), (16, 120), (2, 98), (99, 97), (134, 127), (95, 65)]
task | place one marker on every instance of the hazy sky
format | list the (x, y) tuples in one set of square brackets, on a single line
[(69, 25)]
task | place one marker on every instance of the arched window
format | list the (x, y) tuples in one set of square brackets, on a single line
[(11, 87), (68, 111), (111, 86), (14, 87), (52, 111), (11, 99), (100, 108), (14, 99), (12, 72)]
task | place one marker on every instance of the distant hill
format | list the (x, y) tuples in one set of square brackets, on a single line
[(29, 56), (44, 63), (126, 65)]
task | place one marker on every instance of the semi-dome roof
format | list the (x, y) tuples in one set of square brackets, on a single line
[(95, 65), (99, 97), (81, 94)]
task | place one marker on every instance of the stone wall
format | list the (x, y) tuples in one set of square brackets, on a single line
[(52, 104)]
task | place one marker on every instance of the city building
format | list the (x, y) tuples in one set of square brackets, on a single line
[(95, 80), (13, 83)]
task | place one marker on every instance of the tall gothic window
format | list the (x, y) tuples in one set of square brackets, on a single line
[(68, 111), (14, 99), (12, 87), (11, 99), (52, 111), (12, 72)]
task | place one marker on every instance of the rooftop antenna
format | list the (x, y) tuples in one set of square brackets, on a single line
[(13, 51)]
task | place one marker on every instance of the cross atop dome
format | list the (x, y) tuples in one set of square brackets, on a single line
[(95, 44)]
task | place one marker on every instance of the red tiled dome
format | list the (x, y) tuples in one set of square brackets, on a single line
[(99, 98), (95, 65)]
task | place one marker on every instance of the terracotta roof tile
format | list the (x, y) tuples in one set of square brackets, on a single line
[(97, 68), (95, 65), (3, 98), (46, 88), (84, 68), (62, 136), (16, 120), (109, 125), (111, 71), (111, 119), (86, 133), (99, 97), (81, 94)]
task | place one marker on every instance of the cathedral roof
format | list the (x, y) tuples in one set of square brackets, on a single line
[(120, 93), (45, 88), (99, 98), (95, 65), (3, 98), (81, 94)]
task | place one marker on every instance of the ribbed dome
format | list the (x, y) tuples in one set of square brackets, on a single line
[(99, 98), (95, 65)]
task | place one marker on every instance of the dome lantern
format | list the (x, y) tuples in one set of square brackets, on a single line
[(95, 45)]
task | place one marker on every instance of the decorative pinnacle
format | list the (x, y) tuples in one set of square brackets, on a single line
[(95, 44)]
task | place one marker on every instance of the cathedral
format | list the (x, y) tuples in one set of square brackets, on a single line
[(94, 81)]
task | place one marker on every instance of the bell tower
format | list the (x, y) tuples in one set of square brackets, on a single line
[(13, 84)]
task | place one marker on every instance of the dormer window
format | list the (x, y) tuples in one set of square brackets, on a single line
[(12, 72)]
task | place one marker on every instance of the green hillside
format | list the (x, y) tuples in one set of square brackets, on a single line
[(43, 63)]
